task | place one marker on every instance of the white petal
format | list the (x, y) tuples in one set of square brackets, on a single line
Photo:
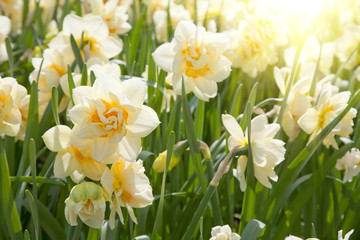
[(309, 121), (233, 127), (164, 57), (57, 138), (102, 149), (129, 148), (143, 122)]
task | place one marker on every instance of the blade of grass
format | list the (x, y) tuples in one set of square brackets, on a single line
[(76, 51), (10, 57), (34, 212)]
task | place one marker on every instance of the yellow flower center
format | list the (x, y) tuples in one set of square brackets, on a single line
[(5, 104), (192, 54), (80, 156), (322, 117), (251, 48), (112, 119), (118, 182), (60, 71)]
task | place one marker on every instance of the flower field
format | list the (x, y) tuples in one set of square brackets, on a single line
[(180, 119)]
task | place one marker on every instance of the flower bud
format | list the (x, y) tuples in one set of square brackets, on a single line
[(87, 201)]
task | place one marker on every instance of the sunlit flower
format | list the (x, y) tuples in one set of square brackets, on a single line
[(71, 160), (93, 32), (350, 162), (177, 13), (87, 201), (267, 152), (111, 114), (13, 9), (127, 186), (113, 14), (195, 56), (310, 54), (298, 101), (12, 95), (223, 233), (347, 46), (330, 104), (5, 26)]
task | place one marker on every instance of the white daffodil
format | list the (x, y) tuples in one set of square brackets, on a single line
[(113, 14), (298, 101), (267, 152), (71, 160), (350, 163), (347, 46), (12, 95), (223, 233), (94, 34), (87, 201), (177, 14), (111, 114), (195, 56), (330, 104), (127, 186), (310, 54), (5, 27), (13, 9), (24, 110), (52, 69), (346, 237)]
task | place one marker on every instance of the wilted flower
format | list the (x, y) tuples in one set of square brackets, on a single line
[(350, 163), (330, 104), (5, 26), (223, 233), (127, 186), (76, 162), (12, 95), (111, 114), (267, 152), (87, 201), (197, 57), (93, 32)]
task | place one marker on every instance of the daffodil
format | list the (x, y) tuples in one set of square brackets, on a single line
[(111, 114), (330, 103), (267, 152), (177, 13), (12, 95), (350, 162), (5, 27), (92, 36), (222, 233), (347, 46), (87, 201), (197, 57), (128, 186), (74, 161), (114, 14)]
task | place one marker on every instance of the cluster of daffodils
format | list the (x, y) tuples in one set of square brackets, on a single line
[(109, 121)]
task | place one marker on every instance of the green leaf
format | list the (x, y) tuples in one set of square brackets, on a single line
[(76, 51), (71, 85), (34, 212), (38, 180), (10, 57), (249, 105), (252, 230), (94, 234), (84, 76), (158, 224), (54, 104), (191, 135), (9, 214)]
